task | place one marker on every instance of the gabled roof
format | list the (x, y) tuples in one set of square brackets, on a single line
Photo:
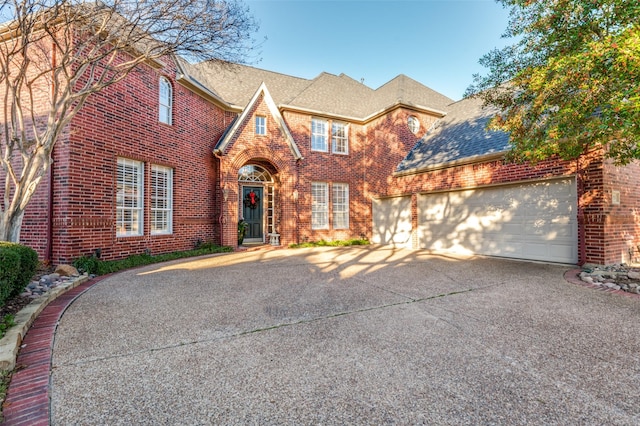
[(460, 137), (409, 92), (229, 135), (327, 94), (238, 83), (339, 95)]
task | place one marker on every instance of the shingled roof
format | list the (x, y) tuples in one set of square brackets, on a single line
[(459, 137), (330, 94)]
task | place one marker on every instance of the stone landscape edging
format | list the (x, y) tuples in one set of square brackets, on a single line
[(573, 276), (10, 343)]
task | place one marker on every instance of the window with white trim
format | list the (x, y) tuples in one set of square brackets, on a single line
[(261, 125), (340, 205), (319, 205), (319, 135), (339, 138), (161, 200), (129, 198), (165, 101)]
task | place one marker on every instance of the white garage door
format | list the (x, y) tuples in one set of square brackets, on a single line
[(536, 221), (392, 221)]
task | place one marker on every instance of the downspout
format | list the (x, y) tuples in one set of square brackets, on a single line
[(48, 256), (49, 246)]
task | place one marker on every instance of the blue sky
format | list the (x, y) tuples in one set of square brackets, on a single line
[(436, 42)]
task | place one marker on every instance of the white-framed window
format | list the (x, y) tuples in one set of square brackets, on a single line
[(414, 124), (340, 205), (129, 198), (165, 101), (161, 200), (319, 135), (340, 138), (319, 205), (261, 125)]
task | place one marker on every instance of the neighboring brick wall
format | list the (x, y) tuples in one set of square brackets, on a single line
[(621, 221), (122, 121)]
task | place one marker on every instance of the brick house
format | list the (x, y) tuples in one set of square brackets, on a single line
[(178, 154)]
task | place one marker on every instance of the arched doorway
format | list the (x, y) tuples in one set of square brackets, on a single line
[(257, 201)]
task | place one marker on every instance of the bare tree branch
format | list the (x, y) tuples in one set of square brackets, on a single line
[(54, 54)]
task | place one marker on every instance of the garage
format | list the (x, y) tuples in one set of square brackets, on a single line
[(535, 221), (392, 221)]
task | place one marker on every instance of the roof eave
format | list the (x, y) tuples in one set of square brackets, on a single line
[(200, 89), (368, 118), (455, 163)]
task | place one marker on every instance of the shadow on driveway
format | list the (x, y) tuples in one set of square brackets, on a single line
[(359, 335)]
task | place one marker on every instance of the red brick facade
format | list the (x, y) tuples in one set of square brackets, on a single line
[(74, 213)]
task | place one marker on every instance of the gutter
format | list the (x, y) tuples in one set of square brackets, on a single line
[(464, 161)]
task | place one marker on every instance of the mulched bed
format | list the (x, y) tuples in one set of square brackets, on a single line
[(16, 303)]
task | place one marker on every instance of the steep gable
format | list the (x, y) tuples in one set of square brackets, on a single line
[(261, 94)]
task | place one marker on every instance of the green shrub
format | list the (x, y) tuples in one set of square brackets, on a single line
[(337, 243), (18, 264), (93, 265)]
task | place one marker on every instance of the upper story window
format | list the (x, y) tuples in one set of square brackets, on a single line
[(414, 124), (261, 125), (165, 101), (319, 135), (129, 198), (340, 138)]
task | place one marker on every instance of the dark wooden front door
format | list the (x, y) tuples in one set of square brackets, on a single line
[(252, 211)]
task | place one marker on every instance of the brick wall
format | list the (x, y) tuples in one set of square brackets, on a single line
[(620, 204), (122, 121)]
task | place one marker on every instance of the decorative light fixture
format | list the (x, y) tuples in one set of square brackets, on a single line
[(225, 192), (295, 195)]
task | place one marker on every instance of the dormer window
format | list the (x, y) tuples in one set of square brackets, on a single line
[(165, 101)]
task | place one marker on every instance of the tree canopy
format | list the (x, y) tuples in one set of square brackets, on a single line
[(54, 54), (571, 80)]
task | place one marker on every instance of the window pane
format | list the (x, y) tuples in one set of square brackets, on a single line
[(261, 127), (318, 135), (319, 206), (161, 199), (339, 138), (165, 101), (340, 206), (129, 197)]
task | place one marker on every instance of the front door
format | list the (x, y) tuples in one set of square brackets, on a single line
[(252, 211)]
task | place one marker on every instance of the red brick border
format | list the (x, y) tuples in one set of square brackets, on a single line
[(27, 401)]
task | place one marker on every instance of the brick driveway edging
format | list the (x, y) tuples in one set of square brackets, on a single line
[(27, 401)]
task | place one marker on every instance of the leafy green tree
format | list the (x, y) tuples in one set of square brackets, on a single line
[(571, 80)]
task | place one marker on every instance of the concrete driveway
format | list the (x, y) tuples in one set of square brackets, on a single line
[(357, 335)]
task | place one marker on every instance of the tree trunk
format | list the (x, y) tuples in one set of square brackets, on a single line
[(10, 225)]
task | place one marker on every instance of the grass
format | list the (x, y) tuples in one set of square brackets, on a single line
[(93, 265), (7, 322), (337, 243), (5, 379)]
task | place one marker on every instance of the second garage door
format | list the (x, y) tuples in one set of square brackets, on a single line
[(536, 221)]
